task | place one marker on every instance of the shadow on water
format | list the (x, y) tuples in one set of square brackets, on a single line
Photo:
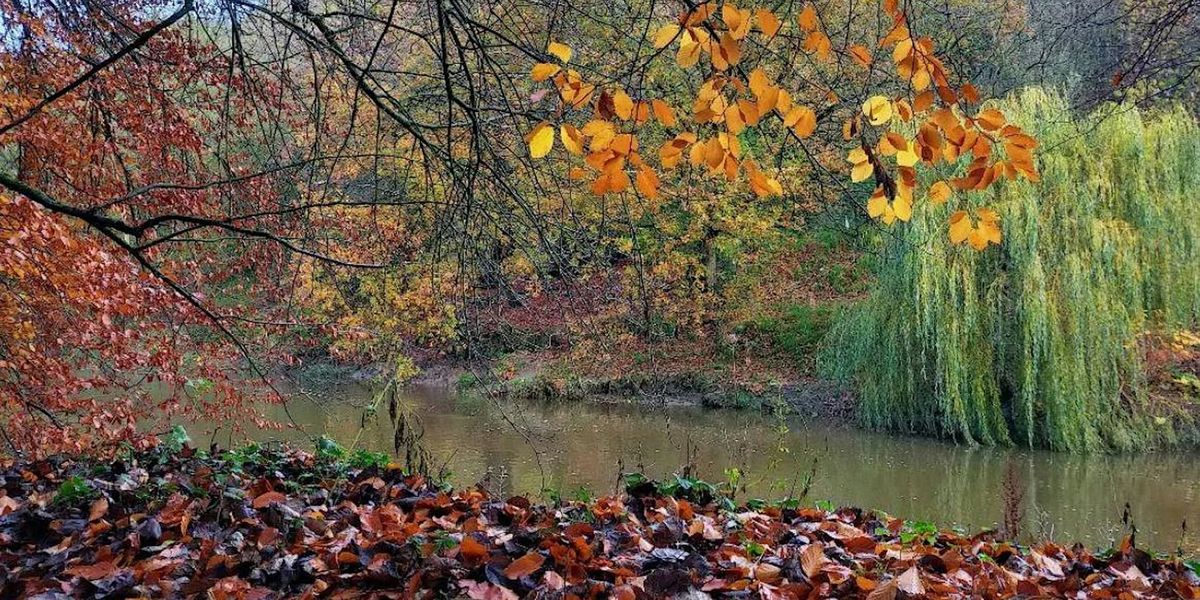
[(564, 447)]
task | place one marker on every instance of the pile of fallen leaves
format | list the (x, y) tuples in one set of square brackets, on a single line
[(285, 523)]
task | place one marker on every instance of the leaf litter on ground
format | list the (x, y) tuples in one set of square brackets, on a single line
[(286, 523)]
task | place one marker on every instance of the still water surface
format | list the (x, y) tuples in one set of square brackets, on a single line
[(529, 448)]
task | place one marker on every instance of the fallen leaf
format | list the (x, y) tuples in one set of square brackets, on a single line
[(524, 566)]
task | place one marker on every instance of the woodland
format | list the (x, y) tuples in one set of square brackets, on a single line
[(966, 220)]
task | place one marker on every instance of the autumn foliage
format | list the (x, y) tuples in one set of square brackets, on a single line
[(288, 524), (100, 318), (927, 119)]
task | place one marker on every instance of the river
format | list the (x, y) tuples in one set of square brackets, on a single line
[(531, 448)]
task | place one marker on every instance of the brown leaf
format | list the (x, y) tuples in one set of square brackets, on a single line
[(99, 509), (267, 498), (909, 582), (812, 558), (886, 591), (94, 572), (8, 505), (524, 566)]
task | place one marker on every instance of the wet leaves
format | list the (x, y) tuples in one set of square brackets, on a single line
[(290, 526)]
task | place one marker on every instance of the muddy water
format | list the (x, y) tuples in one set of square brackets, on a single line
[(531, 448)]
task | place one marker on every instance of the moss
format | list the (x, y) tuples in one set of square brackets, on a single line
[(1035, 342)]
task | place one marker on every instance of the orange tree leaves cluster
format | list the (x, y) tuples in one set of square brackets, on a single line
[(929, 121)]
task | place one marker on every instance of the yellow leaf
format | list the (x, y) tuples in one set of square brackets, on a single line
[(738, 21), (665, 34), (733, 119), (940, 192), (544, 71), (960, 227), (541, 140), (727, 53), (663, 112), (990, 231), (759, 82), (783, 102), (560, 51), (601, 132), (622, 104), (760, 184), (906, 156), (768, 23), (902, 207), (688, 55), (976, 239), (877, 205), (878, 110), (571, 138), (861, 172)]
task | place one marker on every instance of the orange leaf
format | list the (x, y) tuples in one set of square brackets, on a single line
[(647, 182), (524, 566), (861, 55), (663, 112), (768, 23), (808, 18), (812, 558), (472, 552)]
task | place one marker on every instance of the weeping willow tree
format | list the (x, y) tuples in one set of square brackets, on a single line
[(1036, 342)]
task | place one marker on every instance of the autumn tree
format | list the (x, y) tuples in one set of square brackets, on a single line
[(186, 185)]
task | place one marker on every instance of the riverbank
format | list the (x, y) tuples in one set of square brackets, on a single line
[(264, 523)]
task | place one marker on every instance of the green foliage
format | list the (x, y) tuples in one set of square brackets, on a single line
[(74, 490), (175, 439), (333, 453), (1194, 565), (922, 531), (799, 328), (1035, 342)]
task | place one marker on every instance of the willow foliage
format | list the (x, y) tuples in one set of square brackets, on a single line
[(1034, 342)]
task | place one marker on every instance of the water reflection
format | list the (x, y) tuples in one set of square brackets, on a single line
[(530, 448)]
